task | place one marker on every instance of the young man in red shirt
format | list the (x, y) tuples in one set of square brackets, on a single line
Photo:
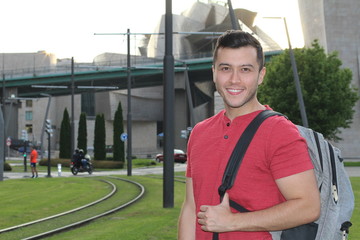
[(276, 181), (33, 161)]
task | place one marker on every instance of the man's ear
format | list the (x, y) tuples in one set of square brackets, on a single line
[(261, 75), (213, 72)]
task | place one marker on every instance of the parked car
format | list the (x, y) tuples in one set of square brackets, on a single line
[(179, 156)]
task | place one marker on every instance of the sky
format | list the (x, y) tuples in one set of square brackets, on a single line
[(68, 28)]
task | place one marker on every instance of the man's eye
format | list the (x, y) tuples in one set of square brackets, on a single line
[(245, 69), (225, 69)]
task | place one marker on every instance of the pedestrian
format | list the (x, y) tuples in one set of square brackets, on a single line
[(276, 181), (33, 161)]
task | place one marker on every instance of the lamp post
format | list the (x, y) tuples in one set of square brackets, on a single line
[(129, 120), (296, 75)]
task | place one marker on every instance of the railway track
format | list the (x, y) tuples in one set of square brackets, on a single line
[(97, 209)]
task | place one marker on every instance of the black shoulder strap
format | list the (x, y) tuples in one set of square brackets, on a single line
[(237, 156), (240, 149)]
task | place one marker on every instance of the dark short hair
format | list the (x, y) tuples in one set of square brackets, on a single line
[(237, 39)]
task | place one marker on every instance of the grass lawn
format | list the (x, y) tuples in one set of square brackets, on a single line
[(146, 220), (25, 200), (355, 229)]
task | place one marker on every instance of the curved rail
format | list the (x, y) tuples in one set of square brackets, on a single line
[(114, 189), (77, 224)]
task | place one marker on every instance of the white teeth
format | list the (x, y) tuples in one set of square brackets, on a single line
[(234, 90)]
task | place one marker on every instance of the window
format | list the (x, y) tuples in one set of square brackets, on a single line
[(29, 103), (29, 128), (88, 104), (28, 115)]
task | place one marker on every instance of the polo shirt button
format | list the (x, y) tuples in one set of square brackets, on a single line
[(228, 124), (226, 136)]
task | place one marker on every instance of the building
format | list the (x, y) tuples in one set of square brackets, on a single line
[(147, 103), (337, 27)]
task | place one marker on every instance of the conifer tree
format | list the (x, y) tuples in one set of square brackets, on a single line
[(65, 136), (82, 133), (99, 138), (118, 145)]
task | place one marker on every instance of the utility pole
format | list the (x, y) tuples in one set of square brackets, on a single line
[(169, 92), (129, 120), (296, 76), (297, 81), (234, 22), (72, 108), (2, 143)]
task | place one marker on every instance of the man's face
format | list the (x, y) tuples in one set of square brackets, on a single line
[(236, 76)]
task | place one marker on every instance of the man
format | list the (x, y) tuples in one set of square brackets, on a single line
[(33, 161), (276, 181)]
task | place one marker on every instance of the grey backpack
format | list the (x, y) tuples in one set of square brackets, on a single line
[(337, 197)]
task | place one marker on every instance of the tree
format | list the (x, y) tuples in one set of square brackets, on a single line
[(118, 147), (65, 136), (328, 96), (82, 133), (99, 138)]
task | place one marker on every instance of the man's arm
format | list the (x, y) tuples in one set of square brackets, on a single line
[(302, 206), (187, 219)]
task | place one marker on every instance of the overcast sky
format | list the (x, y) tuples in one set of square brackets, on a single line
[(67, 27)]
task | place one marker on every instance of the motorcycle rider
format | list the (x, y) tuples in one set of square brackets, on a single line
[(77, 157), (82, 158)]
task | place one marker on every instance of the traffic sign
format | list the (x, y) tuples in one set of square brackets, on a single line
[(123, 137), (8, 142)]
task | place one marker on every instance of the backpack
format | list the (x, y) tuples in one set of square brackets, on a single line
[(337, 198)]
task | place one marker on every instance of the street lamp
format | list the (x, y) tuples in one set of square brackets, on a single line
[(296, 76)]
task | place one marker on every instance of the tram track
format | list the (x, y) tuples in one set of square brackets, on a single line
[(109, 198)]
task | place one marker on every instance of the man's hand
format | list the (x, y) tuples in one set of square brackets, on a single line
[(216, 218)]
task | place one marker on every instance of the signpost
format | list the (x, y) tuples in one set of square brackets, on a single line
[(48, 130), (8, 142)]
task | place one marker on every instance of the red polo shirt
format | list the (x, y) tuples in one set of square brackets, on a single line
[(276, 151)]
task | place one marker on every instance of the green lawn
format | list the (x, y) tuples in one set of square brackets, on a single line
[(146, 219)]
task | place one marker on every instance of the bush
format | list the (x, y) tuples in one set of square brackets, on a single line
[(7, 167), (96, 164), (54, 162), (143, 162), (108, 164)]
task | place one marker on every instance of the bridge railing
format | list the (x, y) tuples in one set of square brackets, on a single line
[(64, 66)]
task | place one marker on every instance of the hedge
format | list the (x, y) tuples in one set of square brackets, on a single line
[(96, 164)]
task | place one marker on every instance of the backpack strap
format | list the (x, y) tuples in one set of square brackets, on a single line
[(239, 151), (237, 156)]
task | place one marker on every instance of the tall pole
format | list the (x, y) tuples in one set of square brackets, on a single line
[(168, 186), (2, 143), (49, 155), (72, 108), (234, 22), (43, 127), (297, 81), (129, 120)]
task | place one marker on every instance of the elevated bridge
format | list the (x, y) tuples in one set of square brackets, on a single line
[(32, 84)]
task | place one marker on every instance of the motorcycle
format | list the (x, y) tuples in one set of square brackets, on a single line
[(84, 165)]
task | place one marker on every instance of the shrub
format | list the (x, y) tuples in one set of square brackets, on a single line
[(7, 167), (97, 164)]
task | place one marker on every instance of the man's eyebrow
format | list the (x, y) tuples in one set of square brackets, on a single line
[(242, 65)]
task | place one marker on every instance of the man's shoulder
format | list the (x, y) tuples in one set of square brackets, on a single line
[(211, 121)]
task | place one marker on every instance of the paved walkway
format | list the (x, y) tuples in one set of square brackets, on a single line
[(66, 172), (352, 172)]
